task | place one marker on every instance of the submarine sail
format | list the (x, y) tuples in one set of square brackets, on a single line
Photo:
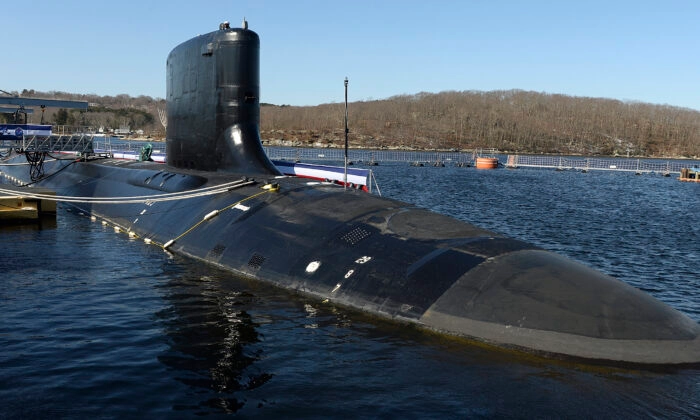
[(219, 199), (213, 102)]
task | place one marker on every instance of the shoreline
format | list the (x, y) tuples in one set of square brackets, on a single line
[(297, 145)]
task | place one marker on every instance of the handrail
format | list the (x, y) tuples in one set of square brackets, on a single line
[(600, 164)]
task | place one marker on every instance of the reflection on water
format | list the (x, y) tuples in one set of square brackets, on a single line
[(209, 332), (44, 222), (229, 339)]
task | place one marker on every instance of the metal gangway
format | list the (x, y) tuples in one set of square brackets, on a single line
[(635, 165), (76, 143)]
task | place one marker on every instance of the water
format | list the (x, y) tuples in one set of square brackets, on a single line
[(94, 324)]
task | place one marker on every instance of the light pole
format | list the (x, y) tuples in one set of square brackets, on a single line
[(345, 178)]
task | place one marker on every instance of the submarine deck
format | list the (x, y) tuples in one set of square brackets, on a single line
[(388, 258)]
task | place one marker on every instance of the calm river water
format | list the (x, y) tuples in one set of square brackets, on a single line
[(93, 324)]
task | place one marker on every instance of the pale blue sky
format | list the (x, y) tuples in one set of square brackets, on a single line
[(639, 50)]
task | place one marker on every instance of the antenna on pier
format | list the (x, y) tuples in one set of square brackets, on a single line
[(163, 118)]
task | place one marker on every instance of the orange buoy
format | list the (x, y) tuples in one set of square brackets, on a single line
[(486, 163)]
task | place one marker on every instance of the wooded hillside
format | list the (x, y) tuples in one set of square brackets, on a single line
[(510, 121), (513, 121)]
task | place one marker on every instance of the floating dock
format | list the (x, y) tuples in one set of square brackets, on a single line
[(15, 206), (585, 164), (690, 175)]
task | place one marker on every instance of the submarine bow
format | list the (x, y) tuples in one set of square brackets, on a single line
[(379, 255)]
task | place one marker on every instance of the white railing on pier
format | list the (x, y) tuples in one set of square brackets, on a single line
[(357, 155), (599, 164)]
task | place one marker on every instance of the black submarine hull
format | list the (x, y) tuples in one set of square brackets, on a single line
[(382, 256), (390, 259)]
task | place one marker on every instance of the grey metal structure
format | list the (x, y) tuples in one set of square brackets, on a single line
[(56, 103), (23, 103), (81, 143), (4, 110)]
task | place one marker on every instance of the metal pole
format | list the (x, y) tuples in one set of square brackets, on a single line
[(345, 178)]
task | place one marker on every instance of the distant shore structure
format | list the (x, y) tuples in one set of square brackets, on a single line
[(486, 163), (690, 174), (586, 164)]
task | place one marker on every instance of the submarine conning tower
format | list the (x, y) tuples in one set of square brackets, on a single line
[(213, 103)]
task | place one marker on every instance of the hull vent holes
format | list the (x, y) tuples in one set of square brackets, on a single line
[(355, 235), (256, 261)]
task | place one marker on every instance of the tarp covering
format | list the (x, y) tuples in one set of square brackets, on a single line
[(356, 176)]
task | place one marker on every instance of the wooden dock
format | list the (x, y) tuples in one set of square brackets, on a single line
[(690, 175), (16, 206)]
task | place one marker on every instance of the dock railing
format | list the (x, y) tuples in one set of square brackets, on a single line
[(600, 164), (360, 155)]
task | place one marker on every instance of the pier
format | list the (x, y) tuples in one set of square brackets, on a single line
[(15, 206)]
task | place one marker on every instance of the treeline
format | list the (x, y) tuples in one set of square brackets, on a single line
[(514, 121)]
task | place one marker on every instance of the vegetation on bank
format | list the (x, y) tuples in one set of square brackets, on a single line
[(511, 121)]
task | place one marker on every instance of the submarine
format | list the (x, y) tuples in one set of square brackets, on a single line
[(221, 200)]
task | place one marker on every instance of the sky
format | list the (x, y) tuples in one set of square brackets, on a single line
[(646, 51)]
